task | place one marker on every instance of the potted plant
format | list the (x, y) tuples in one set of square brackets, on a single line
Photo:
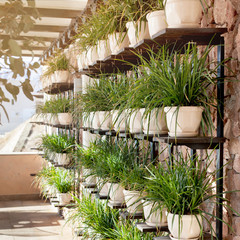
[(178, 17), (97, 105), (62, 68), (63, 182), (182, 188), (132, 180), (184, 87), (135, 12), (156, 18)]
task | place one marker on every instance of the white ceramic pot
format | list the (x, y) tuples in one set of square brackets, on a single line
[(103, 49), (92, 55), (117, 41), (57, 157), (153, 218), (80, 62), (156, 22), (155, 123), (63, 159), (105, 119), (89, 179), (52, 119), (132, 200), (103, 188), (65, 118), (116, 193), (189, 226), (94, 120), (183, 13), (119, 121), (184, 122), (64, 198), (137, 32), (135, 122), (61, 76)]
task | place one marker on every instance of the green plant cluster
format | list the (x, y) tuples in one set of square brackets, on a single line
[(57, 179), (110, 17), (115, 162), (164, 78), (57, 143), (102, 222), (60, 104), (59, 62)]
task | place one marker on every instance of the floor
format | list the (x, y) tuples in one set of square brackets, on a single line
[(31, 220)]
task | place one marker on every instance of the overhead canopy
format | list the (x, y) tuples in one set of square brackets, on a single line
[(56, 17)]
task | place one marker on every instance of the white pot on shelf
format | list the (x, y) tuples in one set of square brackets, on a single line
[(117, 41), (183, 13), (92, 55), (105, 119), (64, 198), (61, 76), (94, 120), (119, 121), (103, 49), (65, 118), (156, 22), (189, 226), (155, 123), (63, 159), (132, 200), (116, 193), (184, 122), (57, 157), (80, 61), (103, 188), (153, 218), (135, 121), (89, 179), (137, 32)]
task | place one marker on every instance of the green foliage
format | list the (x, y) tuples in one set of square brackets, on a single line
[(14, 20), (99, 219), (62, 180), (58, 143), (60, 104)]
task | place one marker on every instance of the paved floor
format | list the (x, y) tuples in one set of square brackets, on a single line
[(31, 220)]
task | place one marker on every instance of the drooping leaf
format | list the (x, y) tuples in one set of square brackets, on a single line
[(14, 47)]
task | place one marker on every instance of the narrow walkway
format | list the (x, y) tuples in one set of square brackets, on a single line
[(31, 220)]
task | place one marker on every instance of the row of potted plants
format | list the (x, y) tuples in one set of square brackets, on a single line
[(116, 24), (57, 110), (166, 82), (165, 193)]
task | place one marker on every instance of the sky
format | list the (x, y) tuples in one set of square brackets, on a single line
[(22, 110)]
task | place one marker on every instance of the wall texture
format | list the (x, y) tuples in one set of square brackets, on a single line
[(15, 170), (225, 13)]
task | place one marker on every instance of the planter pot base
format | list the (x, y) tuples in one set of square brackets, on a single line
[(185, 134)]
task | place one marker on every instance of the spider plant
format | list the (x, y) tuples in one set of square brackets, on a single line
[(58, 143), (183, 187), (171, 78), (62, 180), (61, 62), (99, 220), (60, 104)]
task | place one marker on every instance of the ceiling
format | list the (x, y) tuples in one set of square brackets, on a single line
[(56, 17)]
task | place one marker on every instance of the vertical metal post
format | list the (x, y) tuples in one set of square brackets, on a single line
[(220, 125), (170, 151), (154, 152)]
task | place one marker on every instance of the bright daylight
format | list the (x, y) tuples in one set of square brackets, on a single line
[(119, 120)]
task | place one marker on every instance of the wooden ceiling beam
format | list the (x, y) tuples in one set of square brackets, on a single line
[(48, 28), (56, 13), (47, 39)]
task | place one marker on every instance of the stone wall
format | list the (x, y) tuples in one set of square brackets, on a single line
[(225, 13)]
